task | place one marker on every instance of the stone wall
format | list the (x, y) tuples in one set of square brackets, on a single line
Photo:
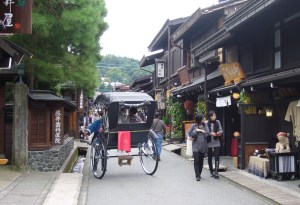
[(50, 160)]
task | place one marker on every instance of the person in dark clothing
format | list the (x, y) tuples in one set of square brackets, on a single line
[(198, 133), (132, 117), (214, 144), (159, 128)]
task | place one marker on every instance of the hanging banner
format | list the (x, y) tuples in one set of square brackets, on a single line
[(160, 68), (16, 16), (223, 101)]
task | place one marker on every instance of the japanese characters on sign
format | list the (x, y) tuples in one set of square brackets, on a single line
[(81, 100), (232, 72), (160, 69), (57, 138), (15, 16)]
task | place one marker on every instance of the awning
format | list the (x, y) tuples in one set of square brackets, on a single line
[(196, 85), (272, 77), (225, 88), (150, 59)]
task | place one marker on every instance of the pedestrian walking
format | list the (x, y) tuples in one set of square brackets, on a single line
[(198, 133), (159, 127), (214, 142)]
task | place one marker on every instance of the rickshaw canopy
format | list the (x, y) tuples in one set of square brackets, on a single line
[(109, 97)]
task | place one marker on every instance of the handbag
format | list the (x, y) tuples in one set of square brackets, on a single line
[(189, 148)]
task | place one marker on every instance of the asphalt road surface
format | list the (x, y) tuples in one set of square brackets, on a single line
[(173, 183)]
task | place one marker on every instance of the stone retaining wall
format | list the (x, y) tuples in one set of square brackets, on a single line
[(50, 160)]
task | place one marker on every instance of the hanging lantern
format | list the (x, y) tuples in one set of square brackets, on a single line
[(269, 112), (189, 106), (236, 96)]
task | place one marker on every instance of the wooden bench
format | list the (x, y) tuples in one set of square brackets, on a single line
[(3, 161)]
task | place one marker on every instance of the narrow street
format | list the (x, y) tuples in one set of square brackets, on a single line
[(173, 183)]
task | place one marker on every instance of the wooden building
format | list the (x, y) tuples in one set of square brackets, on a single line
[(239, 48), (262, 38), (51, 120)]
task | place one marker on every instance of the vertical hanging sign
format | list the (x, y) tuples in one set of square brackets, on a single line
[(160, 68), (57, 134), (16, 16), (81, 100)]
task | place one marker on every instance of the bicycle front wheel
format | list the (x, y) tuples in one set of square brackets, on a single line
[(98, 158), (148, 154)]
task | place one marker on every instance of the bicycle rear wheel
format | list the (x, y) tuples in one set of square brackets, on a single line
[(148, 154), (98, 158)]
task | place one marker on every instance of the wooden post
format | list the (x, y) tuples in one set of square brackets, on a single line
[(20, 125)]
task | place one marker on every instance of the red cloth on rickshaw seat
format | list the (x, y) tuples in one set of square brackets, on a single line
[(124, 141)]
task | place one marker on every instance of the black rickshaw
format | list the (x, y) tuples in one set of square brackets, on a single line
[(115, 107)]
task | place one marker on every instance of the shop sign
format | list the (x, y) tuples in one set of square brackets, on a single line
[(160, 69), (232, 72), (81, 100), (57, 138), (16, 16), (223, 101)]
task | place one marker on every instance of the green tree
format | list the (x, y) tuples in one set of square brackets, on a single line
[(64, 43), (128, 67)]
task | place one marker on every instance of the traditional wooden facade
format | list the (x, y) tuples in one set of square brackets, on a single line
[(165, 57), (261, 37), (51, 120), (143, 84), (11, 56), (239, 48), (202, 69)]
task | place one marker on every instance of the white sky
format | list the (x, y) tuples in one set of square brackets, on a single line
[(133, 24)]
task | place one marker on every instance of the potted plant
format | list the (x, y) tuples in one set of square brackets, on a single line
[(176, 113)]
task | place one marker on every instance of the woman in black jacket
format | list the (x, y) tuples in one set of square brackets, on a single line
[(214, 144), (198, 133)]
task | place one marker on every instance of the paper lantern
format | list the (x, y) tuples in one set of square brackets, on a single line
[(236, 96), (188, 105)]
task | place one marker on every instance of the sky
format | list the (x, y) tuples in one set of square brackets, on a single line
[(133, 24)]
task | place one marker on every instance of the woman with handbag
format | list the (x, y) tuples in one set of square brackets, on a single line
[(214, 142), (198, 133)]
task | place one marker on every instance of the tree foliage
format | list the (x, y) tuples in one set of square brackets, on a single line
[(64, 43), (121, 69)]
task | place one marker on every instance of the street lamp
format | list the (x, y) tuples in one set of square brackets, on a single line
[(20, 72)]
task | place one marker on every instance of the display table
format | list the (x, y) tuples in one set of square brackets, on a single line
[(258, 166)]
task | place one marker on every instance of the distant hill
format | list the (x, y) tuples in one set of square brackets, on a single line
[(120, 69)]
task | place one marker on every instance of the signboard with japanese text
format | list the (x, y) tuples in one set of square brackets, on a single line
[(232, 72), (57, 128), (16, 16), (160, 69)]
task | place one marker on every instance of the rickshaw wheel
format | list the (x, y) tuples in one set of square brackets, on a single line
[(98, 158), (148, 154)]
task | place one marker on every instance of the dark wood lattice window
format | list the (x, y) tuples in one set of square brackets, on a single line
[(292, 43)]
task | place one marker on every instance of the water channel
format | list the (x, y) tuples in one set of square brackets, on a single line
[(79, 164)]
